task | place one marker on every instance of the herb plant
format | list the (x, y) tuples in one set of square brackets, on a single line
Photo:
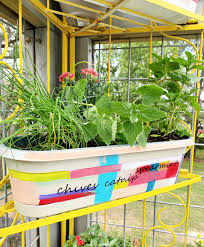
[(93, 237), (80, 114)]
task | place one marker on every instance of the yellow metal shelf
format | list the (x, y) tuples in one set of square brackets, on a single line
[(190, 179)]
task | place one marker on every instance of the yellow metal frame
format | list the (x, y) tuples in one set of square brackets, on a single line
[(97, 27)]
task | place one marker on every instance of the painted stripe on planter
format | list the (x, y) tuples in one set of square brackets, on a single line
[(150, 185), (82, 190), (104, 190), (148, 175), (39, 177), (64, 198), (94, 171)]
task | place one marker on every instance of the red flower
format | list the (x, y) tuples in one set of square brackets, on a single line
[(77, 237), (89, 71), (79, 241), (200, 131), (63, 76)]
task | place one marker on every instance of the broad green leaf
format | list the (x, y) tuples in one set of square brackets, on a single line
[(133, 116), (196, 106), (121, 108), (79, 89), (91, 113), (66, 244), (174, 76), (173, 87), (173, 65), (104, 105), (71, 237), (142, 139), (114, 129), (147, 130), (157, 57), (189, 55), (151, 93), (157, 67), (182, 61), (104, 127), (131, 131), (90, 131), (200, 67), (75, 243), (113, 242), (148, 114)]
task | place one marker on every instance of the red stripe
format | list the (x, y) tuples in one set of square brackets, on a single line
[(97, 170), (64, 198)]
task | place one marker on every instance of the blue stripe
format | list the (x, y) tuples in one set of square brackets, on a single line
[(104, 189), (150, 185)]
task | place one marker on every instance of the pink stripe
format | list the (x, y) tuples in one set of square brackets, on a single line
[(94, 171)]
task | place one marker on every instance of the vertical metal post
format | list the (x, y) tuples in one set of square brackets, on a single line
[(3, 160), (155, 197), (129, 65), (124, 226)]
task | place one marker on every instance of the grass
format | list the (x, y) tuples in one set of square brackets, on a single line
[(171, 215)]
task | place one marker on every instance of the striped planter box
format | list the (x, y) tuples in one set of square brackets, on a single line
[(45, 183)]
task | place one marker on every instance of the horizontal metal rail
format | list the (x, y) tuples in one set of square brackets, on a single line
[(139, 227)]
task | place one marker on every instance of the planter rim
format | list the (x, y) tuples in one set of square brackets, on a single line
[(66, 154)]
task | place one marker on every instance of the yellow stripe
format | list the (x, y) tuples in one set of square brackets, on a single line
[(121, 185), (39, 177)]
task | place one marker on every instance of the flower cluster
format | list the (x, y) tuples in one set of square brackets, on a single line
[(63, 76), (79, 241), (89, 71)]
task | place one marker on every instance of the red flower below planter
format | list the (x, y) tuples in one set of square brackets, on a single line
[(63, 76), (79, 241), (89, 71)]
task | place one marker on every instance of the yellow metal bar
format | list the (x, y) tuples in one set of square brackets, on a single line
[(137, 13), (195, 27), (6, 235), (191, 179), (143, 224), (150, 50), (99, 12), (63, 232), (5, 40), (114, 8), (4, 181), (109, 56), (48, 235), (128, 20), (80, 6), (64, 50), (43, 10), (72, 54), (71, 226), (20, 36), (105, 219), (66, 14), (164, 228), (6, 208), (194, 135), (48, 50), (23, 233), (176, 9)]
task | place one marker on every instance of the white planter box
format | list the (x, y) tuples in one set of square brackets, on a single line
[(51, 182)]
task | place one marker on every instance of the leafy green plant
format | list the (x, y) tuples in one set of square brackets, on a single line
[(174, 75), (93, 237), (71, 119)]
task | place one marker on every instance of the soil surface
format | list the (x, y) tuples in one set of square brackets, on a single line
[(156, 136)]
